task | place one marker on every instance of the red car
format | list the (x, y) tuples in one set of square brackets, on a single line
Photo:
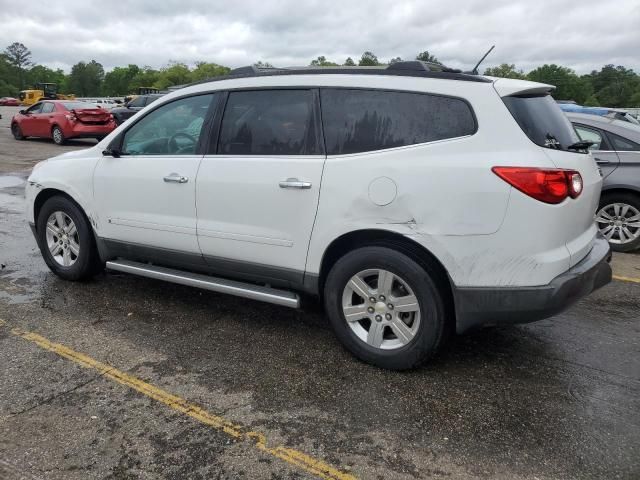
[(62, 120), (9, 102)]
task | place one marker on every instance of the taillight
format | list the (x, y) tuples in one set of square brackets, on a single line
[(549, 185), (71, 117)]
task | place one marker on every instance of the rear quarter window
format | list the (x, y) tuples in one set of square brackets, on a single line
[(366, 120), (542, 120)]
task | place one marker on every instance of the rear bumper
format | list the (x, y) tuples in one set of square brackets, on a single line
[(87, 131), (509, 305)]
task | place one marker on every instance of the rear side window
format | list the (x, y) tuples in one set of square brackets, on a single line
[(592, 135), (542, 120), (366, 120), (623, 144), (269, 122)]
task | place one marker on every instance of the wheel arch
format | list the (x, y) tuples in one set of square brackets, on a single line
[(627, 189), (377, 237)]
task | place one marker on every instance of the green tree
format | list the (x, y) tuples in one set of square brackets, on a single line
[(42, 74), (8, 78), (206, 70), (85, 79), (349, 62), (614, 86), (146, 77), (322, 61), (427, 57), (634, 101), (592, 101), (19, 57), (568, 84), (505, 70), (368, 59), (117, 82), (175, 73)]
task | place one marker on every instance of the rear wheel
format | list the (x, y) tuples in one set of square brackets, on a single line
[(66, 240), (57, 135), (618, 219), (17, 132), (385, 308)]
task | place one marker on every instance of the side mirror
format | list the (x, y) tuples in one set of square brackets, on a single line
[(23, 112)]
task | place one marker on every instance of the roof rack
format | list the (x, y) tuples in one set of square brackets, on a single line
[(412, 68)]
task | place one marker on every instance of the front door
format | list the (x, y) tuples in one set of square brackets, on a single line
[(146, 197), (29, 124), (257, 193), (606, 158)]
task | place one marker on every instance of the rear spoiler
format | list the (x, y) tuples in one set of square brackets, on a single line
[(509, 87)]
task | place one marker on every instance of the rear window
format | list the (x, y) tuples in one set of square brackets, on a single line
[(366, 120), (78, 105), (542, 120)]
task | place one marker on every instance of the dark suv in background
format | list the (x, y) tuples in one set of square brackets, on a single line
[(120, 114)]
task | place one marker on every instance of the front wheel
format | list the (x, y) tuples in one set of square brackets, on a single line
[(618, 219), (385, 308), (17, 132), (66, 240), (57, 135)]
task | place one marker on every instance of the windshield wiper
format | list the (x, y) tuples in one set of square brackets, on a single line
[(581, 145)]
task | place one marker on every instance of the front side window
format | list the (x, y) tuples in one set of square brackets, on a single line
[(592, 135), (540, 117), (37, 108), (269, 122), (173, 129), (137, 102), (366, 120)]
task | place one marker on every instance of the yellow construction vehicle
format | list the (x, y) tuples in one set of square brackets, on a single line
[(43, 91)]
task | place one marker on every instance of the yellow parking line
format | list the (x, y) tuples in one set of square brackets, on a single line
[(289, 455), (626, 279)]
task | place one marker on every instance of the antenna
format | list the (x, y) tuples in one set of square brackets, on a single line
[(475, 69)]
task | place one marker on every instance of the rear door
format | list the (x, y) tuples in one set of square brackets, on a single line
[(606, 158), (257, 192), (43, 120)]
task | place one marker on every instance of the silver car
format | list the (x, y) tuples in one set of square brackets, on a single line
[(616, 148)]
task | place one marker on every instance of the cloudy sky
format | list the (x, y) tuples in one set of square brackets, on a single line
[(584, 34)]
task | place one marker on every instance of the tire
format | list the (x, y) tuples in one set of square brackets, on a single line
[(17, 132), (393, 353), (83, 260), (57, 135), (626, 220)]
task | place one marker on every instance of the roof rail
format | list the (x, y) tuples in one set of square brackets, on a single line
[(420, 66), (251, 70)]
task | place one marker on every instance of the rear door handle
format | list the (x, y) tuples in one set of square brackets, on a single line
[(602, 161), (295, 183), (176, 178)]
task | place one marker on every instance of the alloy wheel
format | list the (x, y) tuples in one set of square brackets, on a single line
[(381, 309), (619, 223), (62, 239)]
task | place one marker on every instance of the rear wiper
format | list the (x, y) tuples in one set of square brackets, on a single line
[(581, 145)]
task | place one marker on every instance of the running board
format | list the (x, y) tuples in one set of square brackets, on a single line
[(206, 282)]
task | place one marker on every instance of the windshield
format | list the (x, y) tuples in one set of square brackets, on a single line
[(542, 120)]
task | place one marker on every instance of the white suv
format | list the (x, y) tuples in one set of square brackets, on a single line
[(413, 200)]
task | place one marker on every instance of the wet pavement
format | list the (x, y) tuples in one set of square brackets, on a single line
[(552, 400)]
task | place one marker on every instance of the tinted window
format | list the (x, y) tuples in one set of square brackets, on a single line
[(623, 144), (172, 129), (591, 135), (542, 120), (364, 120), (137, 102), (269, 122), (48, 108), (37, 108)]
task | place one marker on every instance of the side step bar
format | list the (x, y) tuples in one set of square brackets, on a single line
[(206, 282)]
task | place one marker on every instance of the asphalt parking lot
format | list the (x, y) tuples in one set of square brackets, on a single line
[(126, 378)]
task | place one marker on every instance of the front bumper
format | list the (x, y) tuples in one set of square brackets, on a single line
[(509, 305)]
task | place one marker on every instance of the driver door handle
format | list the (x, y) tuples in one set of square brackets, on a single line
[(176, 178), (295, 183), (602, 161)]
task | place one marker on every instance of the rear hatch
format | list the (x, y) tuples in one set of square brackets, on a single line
[(547, 126), (92, 116)]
